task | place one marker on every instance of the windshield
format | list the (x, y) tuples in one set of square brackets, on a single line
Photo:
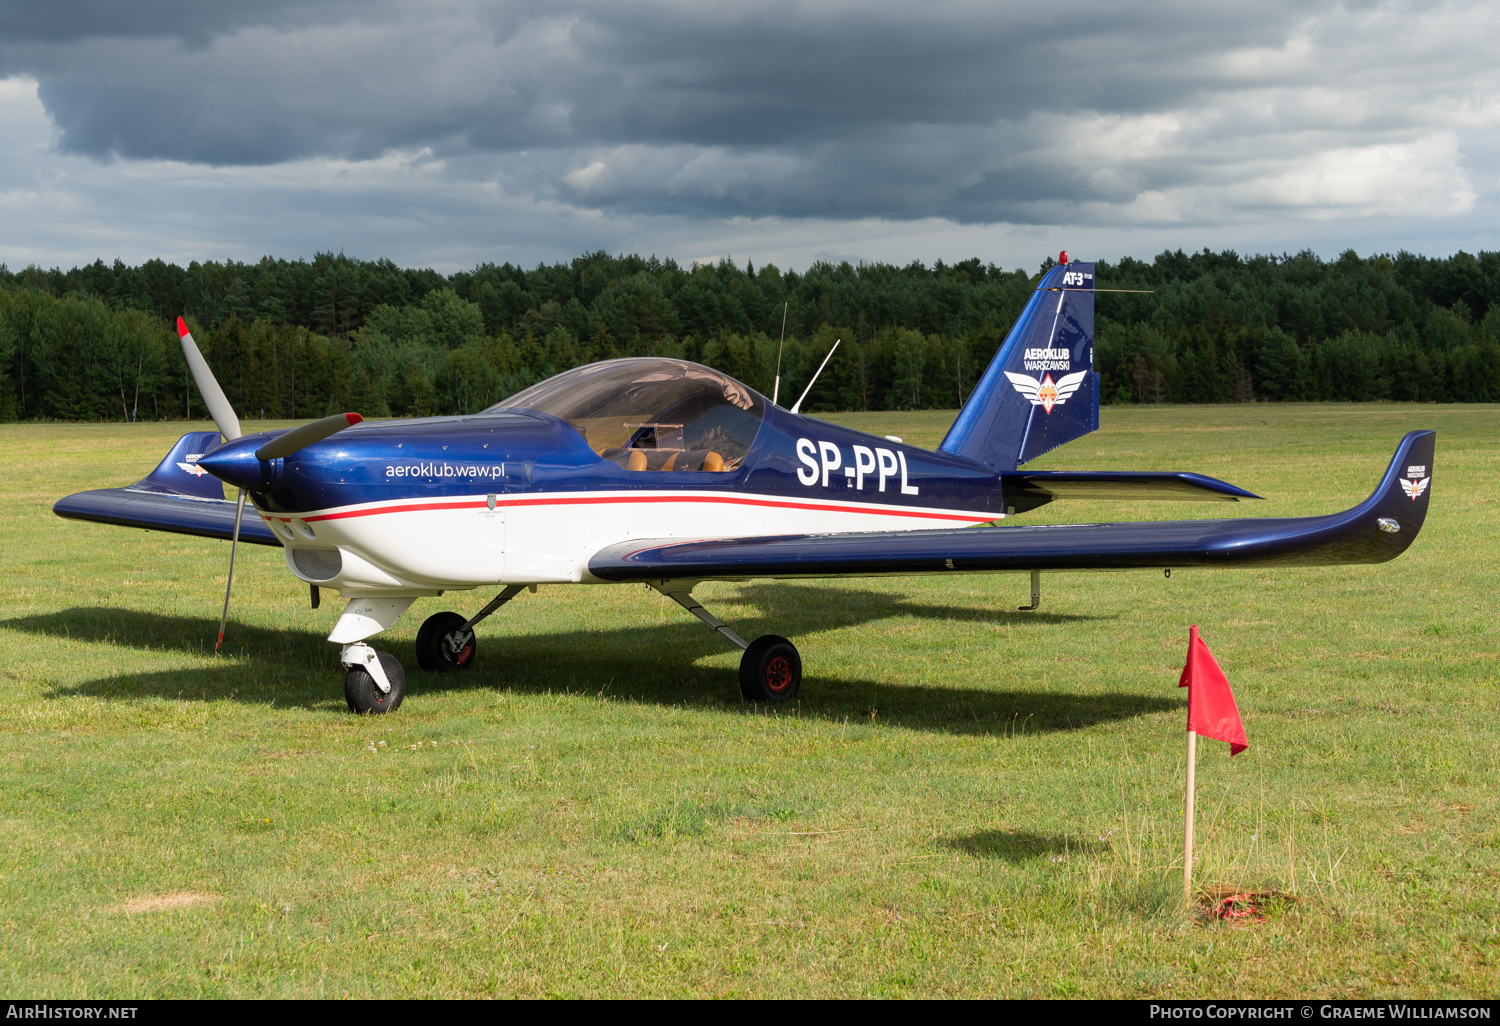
[(653, 413)]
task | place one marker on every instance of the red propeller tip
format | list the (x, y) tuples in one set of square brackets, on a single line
[(181, 327), (353, 418), (218, 644)]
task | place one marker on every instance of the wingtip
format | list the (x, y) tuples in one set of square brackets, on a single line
[(181, 327)]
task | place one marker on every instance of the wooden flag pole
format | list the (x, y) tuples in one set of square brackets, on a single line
[(1187, 829)]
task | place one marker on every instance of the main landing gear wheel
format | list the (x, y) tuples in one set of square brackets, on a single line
[(770, 670), (365, 696), (443, 644)]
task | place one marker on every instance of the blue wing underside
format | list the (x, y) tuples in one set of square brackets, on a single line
[(161, 511), (175, 498)]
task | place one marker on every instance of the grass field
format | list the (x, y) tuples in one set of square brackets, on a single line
[(967, 801)]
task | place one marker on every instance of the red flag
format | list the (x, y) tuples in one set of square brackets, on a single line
[(1211, 709)]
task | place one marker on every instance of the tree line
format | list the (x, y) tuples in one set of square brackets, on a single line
[(304, 338)]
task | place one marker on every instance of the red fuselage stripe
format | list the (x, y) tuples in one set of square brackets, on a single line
[(603, 500)]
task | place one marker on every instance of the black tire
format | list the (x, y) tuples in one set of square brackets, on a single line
[(770, 670), (434, 650), (365, 696)]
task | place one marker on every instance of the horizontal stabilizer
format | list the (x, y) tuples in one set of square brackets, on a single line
[(1024, 491), (1378, 529)]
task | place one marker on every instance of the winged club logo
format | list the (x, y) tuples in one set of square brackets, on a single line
[(1047, 393), (1414, 489)]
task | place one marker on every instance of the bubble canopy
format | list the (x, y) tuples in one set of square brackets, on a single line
[(651, 403)]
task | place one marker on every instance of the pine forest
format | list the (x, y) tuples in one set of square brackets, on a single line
[(304, 338)]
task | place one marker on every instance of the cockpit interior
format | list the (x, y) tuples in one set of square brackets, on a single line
[(653, 413)]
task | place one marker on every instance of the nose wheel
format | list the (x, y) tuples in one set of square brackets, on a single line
[(770, 670), (446, 642), (365, 695)]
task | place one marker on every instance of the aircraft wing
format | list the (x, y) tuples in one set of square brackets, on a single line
[(160, 511), (1378, 529), (177, 497)]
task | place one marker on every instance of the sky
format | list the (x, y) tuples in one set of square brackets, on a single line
[(446, 133)]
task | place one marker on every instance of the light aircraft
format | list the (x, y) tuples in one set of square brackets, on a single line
[(671, 473)]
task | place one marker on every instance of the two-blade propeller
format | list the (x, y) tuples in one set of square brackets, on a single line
[(229, 426)]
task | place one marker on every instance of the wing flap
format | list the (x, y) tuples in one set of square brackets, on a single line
[(1378, 529)]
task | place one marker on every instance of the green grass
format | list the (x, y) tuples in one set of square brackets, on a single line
[(968, 800)]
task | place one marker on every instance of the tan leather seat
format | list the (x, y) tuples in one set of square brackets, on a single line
[(699, 459), (665, 459)]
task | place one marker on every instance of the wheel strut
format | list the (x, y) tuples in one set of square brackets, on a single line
[(770, 669), (495, 603), (681, 592)]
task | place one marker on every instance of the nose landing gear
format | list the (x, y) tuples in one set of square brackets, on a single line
[(374, 681)]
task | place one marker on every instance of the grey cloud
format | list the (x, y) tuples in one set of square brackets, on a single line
[(67, 21), (64, 210), (261, 83), (977, 113)]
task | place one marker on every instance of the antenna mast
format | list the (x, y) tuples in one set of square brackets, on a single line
[(776, 392), (798, 404)]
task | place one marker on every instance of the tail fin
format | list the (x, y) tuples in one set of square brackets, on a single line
[(1040, 391), (179, 473)]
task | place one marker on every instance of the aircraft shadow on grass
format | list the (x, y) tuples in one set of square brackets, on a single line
[(1019, 846), (655, 663)]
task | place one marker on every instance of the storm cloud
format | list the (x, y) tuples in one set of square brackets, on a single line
[(1159, 116)]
